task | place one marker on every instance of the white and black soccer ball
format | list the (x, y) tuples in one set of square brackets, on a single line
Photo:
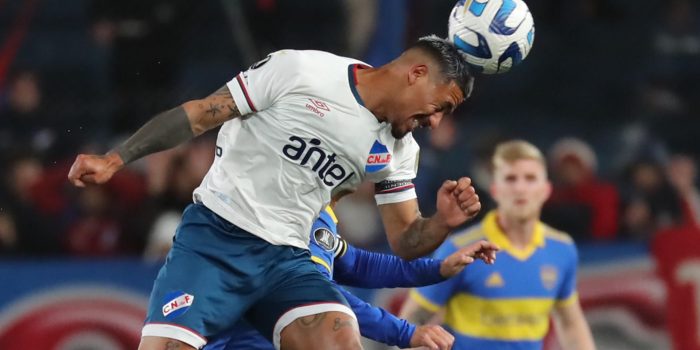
[(493, 35)]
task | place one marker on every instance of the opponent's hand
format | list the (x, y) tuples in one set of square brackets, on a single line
[(432, 337), (94, 169), (458, 260), (457, 202)]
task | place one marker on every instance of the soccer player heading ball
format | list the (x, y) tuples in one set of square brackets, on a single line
[(297, 128)]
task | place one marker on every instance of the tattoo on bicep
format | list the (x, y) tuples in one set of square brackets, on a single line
[(172, 345), (311, 321), (222, 104), (338, 324)]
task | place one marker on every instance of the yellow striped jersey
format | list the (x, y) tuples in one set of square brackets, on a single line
[(505, 305)]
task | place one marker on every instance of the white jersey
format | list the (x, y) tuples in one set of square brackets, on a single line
[(304, 136)]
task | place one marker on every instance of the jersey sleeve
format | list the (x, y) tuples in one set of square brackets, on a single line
[(435, 296), (361, 268), (261, 85), (567, 292), (398, 185), (378, 324)]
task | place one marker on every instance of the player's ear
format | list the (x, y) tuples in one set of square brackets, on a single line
[(416, 72), (548, 191)]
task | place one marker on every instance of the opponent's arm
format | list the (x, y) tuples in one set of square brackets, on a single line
[(572, 329), (379, 325), (166, 130), (415, 313), (361, 268), (411, 235)]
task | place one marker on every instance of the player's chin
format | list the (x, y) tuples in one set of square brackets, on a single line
[(399, 132)]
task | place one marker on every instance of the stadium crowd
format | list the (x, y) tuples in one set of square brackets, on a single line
[(614, 109)]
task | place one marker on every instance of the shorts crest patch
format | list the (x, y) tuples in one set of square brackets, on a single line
[(325, 239), (176, 303)]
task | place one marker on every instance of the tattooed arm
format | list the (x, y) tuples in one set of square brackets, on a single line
[(164, 131), (173, 127), (411, 235)]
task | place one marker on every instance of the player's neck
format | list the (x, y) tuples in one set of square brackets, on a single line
[(519, 232), (372, 90)]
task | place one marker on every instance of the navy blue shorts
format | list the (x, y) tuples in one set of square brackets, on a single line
[(216, 273)]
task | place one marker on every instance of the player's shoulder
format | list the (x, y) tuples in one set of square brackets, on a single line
[(315, 60), (467, 236), (550, 233)]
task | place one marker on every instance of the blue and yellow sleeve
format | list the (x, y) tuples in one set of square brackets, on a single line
[(366, 269), (378, 324), (567, 293), (433, 297)]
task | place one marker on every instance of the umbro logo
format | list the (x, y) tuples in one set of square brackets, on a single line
[(317, 107)]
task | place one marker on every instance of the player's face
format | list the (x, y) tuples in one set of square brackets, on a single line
[(424, 104), (520, 188)]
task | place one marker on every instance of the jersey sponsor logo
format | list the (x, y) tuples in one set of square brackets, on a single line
[(378, 158), (495, 280), (176, 303), (548, 275), (317, 107), (323, 164), (325, 239)]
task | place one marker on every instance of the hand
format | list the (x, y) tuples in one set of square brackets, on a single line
[(94, 169), (432, 337), (458, 260), (457, 202)]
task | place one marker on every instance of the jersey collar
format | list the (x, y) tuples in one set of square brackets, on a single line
[(352, 80), (494, 234)]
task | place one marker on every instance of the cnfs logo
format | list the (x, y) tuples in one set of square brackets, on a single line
[(378, 158), (322, 163), (176, 304), (317, 107)]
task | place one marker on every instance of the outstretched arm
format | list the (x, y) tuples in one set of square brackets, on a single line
[(411, 235), (379, 325), (166, 130), (365, 269)]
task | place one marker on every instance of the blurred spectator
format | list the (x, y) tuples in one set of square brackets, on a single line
[(98, 231), (25, 123), (35, 233), (682, 174), (8, 233), (649, 201), (443, 157), (145, 39), (581, 202), (172, 176)]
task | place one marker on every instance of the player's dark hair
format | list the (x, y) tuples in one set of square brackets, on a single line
[(453, 65)]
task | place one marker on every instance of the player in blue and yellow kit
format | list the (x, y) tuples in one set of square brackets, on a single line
[(343, 263), (508, 305)]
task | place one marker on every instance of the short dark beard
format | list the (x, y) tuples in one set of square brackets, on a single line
[(396, 133)]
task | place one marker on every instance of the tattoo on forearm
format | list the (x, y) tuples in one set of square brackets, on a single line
[(338, 324), (311, 321), (172, 345), (166, 130)]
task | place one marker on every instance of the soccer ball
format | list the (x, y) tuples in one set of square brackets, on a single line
[(493, 35)]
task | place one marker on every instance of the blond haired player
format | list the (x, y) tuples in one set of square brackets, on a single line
[(508, 305)]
